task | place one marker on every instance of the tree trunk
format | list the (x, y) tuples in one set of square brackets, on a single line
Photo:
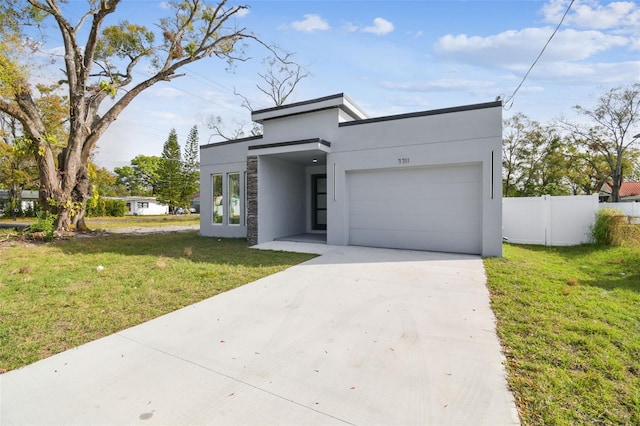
[(64, 189), (80, 196)]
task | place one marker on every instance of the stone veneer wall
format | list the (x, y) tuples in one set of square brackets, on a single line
[(252, 200)]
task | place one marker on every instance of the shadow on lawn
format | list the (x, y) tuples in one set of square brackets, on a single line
[(181, 245)]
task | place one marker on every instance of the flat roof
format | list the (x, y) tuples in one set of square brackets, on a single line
[(339, 100), (472, 107)]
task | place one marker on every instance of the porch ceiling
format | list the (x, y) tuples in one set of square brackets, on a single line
[(306, 152)]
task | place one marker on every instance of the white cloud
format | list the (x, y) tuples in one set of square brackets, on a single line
[(579, 73), (310, 23), (166, 92), (438, 85), (241, 13), (380, 27), (516, 49), (164, 5), (593, 15), (350, 28)]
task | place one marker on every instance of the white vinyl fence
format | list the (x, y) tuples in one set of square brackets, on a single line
[(629, 209), (551, 221)]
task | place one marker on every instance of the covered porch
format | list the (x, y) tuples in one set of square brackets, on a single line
[(287, 191)]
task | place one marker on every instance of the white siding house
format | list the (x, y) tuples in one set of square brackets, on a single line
[(140, 206), (28, 200), (428, 180)]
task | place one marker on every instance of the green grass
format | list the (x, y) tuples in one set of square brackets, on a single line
[(52, 297), (569, 321), (107, 223), (97, 223)]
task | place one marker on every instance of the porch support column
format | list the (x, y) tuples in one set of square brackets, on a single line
[(252, 200)]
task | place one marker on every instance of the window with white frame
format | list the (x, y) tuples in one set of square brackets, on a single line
[(218, 199), (233, 183)]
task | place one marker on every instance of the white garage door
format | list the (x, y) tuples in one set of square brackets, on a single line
[(432, 208)]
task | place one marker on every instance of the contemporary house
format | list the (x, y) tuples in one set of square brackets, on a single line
[(427, 180)]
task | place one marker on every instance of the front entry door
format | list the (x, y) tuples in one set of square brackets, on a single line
[(319, 202)]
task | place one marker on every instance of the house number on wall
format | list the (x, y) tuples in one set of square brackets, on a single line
[(403, 161)]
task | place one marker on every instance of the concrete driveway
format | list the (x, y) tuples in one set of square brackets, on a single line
[(356, 336)]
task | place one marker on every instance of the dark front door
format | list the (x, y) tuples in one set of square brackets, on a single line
[(319, 202)]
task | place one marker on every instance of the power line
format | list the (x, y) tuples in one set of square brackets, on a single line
[(176, 87), (214, 84), (508, 103)]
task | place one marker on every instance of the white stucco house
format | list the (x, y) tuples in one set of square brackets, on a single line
[(427, 180)]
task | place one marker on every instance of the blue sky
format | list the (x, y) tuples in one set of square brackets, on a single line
[(394, 57)]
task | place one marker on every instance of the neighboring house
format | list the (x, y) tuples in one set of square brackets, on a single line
[(629, 192), (30, 200), (143, 205), (426, 181)]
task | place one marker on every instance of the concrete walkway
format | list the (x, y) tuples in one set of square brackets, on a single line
[(356, 336)]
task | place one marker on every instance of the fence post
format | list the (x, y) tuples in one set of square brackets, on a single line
[(546, 208)]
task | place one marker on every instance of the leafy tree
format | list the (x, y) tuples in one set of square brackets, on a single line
[(18, 171), (634, 174), (105, 182), (141, 177), (99, 63), (127, 177), (533, 159), (190, 168), (170, 186), (612, 132), (588, 170)]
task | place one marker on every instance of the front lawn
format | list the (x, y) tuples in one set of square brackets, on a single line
[(54, 296), (106, 222), (569, 321), (98, 223)]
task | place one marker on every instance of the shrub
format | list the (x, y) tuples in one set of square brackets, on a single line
[(607, 228), (116, 208), (45, 225), (629, 235), (96, 207), (106, 207)]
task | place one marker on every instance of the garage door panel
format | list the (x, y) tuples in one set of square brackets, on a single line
[(455, 207), (417, 223), (383, 193), (431, 208), (414, 240)]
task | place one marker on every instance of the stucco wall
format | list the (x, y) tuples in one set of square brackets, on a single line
[(281, 199), (320, 124), (454, 138)]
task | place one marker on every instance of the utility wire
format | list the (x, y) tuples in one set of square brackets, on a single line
[(508, 103)]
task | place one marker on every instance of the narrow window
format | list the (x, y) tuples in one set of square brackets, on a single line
[(218, 203), (234, 198), (319, 202), (244, 198)]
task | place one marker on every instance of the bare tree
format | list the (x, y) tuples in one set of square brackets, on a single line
[(98, 64), (279, 80), (613, 132)]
